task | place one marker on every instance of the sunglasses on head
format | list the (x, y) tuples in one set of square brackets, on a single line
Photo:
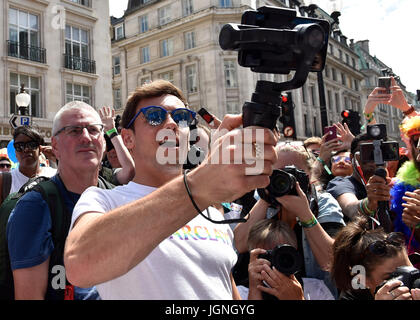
[(380, 247), (22, 146), (156, 115), (336, 159)]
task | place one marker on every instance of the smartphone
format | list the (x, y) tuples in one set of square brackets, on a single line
[(385, 82), (332, 133), (205, 115), (389, 150)]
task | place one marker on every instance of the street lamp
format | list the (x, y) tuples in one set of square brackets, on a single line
[(23, 100)]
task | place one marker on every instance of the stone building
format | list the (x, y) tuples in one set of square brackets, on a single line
[(60, 50)]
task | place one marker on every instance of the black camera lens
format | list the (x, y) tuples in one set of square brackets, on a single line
[(281, 183), (286, 259)]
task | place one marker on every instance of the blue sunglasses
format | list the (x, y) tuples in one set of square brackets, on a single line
[(156, 115)]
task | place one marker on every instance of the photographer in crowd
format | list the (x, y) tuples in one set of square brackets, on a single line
[(319, 216), (364, 262), (277, 236), (148, 239), (360, 192)]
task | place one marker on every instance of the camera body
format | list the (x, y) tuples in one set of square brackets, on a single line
[(408, 275), (283, 182), (285, 258), (379, 150)]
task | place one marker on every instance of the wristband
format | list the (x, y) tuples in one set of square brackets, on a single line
[(366, 208), (109, 132), (325, 165), (310, 223), (409, 111), (369, 116)]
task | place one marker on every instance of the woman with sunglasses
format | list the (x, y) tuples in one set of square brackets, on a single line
[(27, 144), (364, 260)]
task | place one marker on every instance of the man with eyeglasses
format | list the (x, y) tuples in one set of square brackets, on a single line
[(78, 145), (28, 144), (145, 240), (5, 163)]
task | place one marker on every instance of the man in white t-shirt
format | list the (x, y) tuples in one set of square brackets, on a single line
[(145, 240)]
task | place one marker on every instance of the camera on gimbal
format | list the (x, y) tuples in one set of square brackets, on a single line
[(283, 182), (285, 258), (378, 151), (275, 40)]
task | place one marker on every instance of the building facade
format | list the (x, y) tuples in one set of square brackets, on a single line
[(372, 68), (178, 41), (60, 50)]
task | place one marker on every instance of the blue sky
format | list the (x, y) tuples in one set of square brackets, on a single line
[(392, 26)]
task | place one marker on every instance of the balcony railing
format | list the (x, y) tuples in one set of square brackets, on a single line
[(80, 64), (25, 51)]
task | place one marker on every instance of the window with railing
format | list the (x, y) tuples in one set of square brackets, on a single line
[(77, 50), (32, 87), (24, 38)]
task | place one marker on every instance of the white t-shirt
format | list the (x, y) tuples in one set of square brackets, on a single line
[(19, 179), (193, 263)]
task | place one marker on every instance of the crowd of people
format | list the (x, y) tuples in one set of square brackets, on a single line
[(135, 223)]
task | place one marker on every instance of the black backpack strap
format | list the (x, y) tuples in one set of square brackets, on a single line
[(60, 223), (6, 184)]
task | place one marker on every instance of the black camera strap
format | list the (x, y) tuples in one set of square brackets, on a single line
[(227, 221)]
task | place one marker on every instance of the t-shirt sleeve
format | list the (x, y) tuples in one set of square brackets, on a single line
[(91, 200), (28, 232), (339, 186)]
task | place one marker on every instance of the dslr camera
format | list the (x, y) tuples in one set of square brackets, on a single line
[(283, 182), (408, 275), (285, 258)]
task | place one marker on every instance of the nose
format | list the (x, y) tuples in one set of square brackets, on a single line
[(170, 123), (85, 135)]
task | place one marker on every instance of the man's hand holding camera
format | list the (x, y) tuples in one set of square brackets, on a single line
[(279, 285), (297, 205), (377, 190)]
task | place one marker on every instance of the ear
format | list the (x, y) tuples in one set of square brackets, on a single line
[(54, 145), (128, 137)]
